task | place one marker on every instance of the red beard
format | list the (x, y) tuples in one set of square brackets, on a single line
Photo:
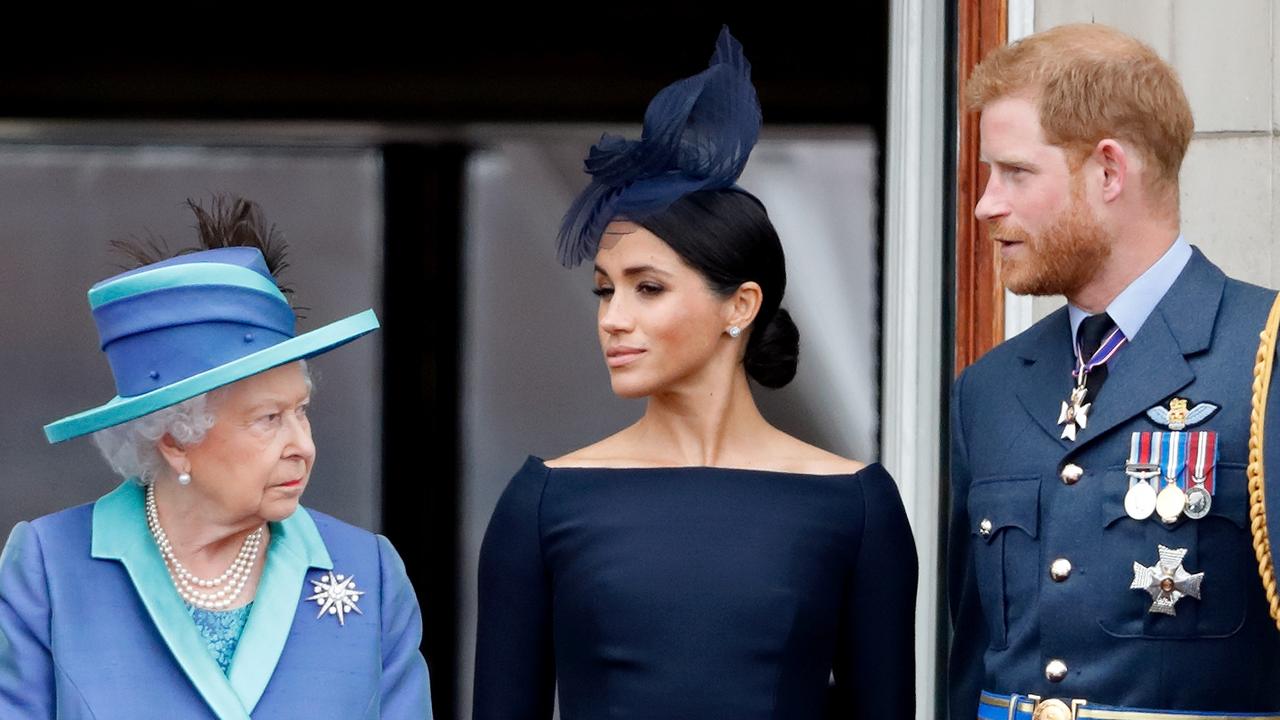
[(1060, 259)]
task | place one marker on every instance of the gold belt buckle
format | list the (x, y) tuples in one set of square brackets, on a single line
[(1056, 709)]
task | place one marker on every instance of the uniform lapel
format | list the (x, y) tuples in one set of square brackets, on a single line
[(1045, 378), (1153, 365), (1150, 368)]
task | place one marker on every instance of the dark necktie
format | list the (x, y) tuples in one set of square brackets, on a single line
[(1093, 330)]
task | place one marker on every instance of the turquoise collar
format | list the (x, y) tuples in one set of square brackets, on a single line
[(120, 533)]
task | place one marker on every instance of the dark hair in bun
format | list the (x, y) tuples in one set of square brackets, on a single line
[(726, 236)]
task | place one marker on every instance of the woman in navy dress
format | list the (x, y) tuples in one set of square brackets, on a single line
[(700, 563)]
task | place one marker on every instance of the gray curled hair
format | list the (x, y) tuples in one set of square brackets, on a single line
[(131, 448)]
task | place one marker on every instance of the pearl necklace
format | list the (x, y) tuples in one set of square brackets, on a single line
[(198, 591)]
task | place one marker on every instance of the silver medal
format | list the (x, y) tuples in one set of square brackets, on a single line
[(1198, 502), (1140, 501), (1167, 581), (1170, 503)]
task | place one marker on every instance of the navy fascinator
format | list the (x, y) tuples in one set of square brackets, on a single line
[(698, 134)]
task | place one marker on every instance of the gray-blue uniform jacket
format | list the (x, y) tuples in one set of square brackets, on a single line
[(1014, 513)]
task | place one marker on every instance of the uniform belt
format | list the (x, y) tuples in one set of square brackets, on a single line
[(993, 706)]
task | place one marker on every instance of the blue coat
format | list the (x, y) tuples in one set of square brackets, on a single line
[(1011, 617), (92, 627)]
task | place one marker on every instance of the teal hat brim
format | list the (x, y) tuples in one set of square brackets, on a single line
[(120, 409)]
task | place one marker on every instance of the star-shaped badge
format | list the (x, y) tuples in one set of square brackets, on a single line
[(1166, 581), (336, 595)]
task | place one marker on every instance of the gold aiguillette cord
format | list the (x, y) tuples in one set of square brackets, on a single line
[(1257, 488)]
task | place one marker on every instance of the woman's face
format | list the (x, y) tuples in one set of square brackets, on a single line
[(256, 459), (661, 327)]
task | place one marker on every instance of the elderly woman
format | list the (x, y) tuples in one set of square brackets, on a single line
[(200, 587)]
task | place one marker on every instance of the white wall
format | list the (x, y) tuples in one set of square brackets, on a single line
[(1227, 53)]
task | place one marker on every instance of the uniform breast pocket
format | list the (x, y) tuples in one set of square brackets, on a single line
[(1005, 515), (1218, 545)]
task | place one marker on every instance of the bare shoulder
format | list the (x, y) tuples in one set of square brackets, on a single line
[(800, 457), (773, 450), (614, 451)]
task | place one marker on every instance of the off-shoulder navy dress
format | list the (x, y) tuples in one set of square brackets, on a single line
[(696, 593)]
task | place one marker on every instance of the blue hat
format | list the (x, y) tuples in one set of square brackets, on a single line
[(184, 326), (698, 134)]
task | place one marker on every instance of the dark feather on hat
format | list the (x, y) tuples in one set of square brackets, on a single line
[(233, 221), (230, 221), (142, 251)]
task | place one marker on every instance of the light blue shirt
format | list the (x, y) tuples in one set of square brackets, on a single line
[(1134, 304)]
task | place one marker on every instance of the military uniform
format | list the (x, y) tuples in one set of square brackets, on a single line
[(1052, 580)]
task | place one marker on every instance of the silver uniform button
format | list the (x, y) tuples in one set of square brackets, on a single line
[(1060, 569), (1055, 671), (1071, 473), (984, 527)]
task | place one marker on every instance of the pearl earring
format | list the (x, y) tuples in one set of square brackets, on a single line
[(734, 331), (184, 479)]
